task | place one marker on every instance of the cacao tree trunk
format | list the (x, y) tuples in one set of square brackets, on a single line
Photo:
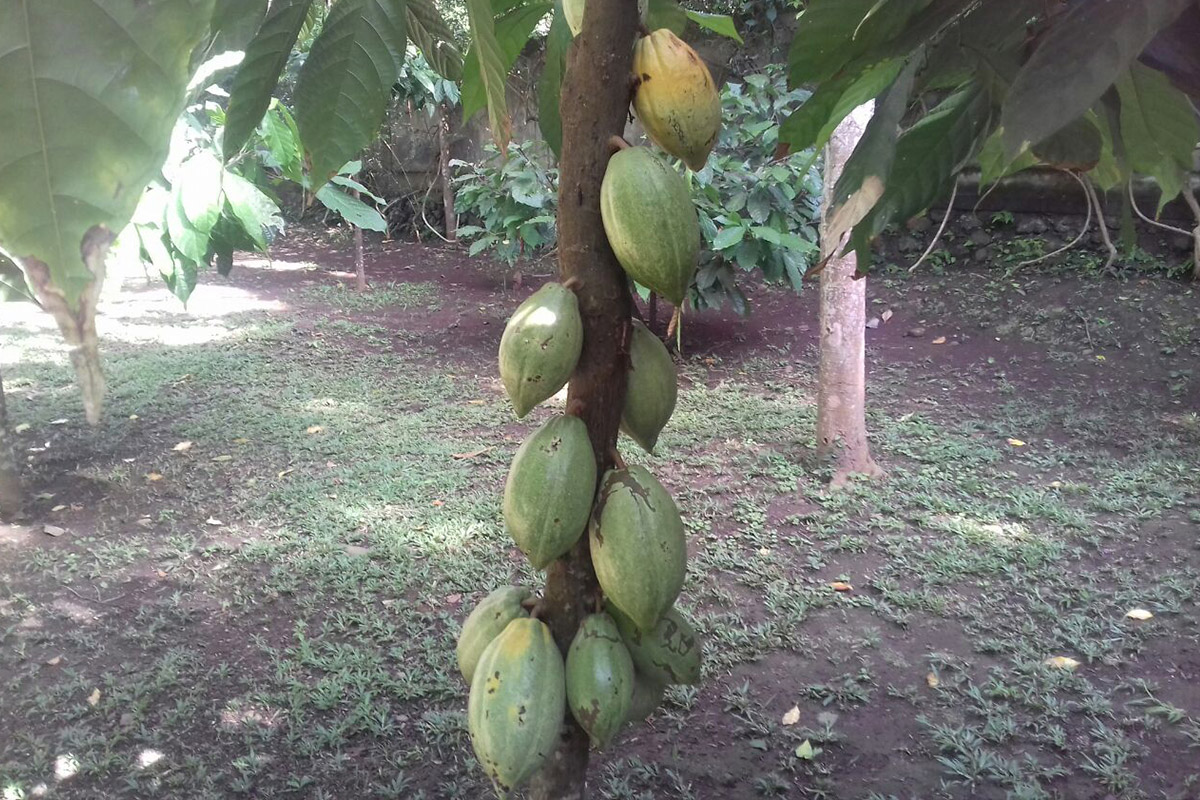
[(841, 380), (594, 104), (10, 474), (444, 169)]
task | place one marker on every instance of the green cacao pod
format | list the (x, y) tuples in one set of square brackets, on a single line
[(676, 98), (486, 622), (515, 709), (550, 488), (668, 653), (540, 346), (599, 679), (573, 12), (650, 222), (647, 696), (638, 547), (653, 387)]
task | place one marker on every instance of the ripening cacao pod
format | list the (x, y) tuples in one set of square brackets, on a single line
[(638, 547), (540, 346), (650, 222), (515, 709), (647, 696), (573, 12), (668, 653), (599, 679), (676, 98), (487, 621), (550, 487), (653, 387)]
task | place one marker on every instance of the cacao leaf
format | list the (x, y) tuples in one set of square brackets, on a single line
[(429, 32), (345, 86), (995, 164), (266, 56), (1076, 147), (234, 23), (353, 210), (813, 123), (720, 24), (1076, 61), (832, 33), (12, 282), (666, 14), (512, 32), (550, 84), (1158, 127)]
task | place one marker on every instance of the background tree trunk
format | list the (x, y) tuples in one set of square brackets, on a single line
[(10, 473), (447, 186), (595, 102), (841, 381), (360, 262)]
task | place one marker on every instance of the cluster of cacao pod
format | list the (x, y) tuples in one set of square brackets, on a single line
[(635, 643)]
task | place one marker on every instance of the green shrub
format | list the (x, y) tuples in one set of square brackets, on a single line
[(510, 204)]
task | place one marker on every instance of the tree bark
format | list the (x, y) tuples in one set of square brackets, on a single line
[(444, 169), (841, 381), (594, 105), (360, 265), (10, 474)]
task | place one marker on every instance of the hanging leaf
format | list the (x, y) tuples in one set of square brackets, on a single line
[(353, 210), (252, 208), (12, 282), (487, 59), (234, 23), (80, 144), (995, 164), (1158, 127), (720, 24), (345, 86), (832, 33), (433, 37), (550, 84), (512, 32), (1083, 54), (865, 174), (256, 79), (1076, 147), (813, 123)]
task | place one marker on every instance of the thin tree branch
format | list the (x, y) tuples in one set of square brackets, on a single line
[(941, 228)]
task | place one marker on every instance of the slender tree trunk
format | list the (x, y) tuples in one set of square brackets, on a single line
[(360, 262), (444, 170), (10, 473), (841, 382), (595, 101)]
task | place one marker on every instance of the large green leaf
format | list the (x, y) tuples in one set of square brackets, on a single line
[(345, 86), (813, 123), (1076, 147), (1076, 61), (929, 155), (720, 24), (353, 210), (251, 207), (832, 33), (511, 33), (433, 37), (550, 84), (995, 164), (12, 282), (266, 56), (89, 92), (666, 14), (865, 174), (234, 23), (1158, 127), (486, 58)]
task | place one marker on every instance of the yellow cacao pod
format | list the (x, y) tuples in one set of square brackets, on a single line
[(676, 98)]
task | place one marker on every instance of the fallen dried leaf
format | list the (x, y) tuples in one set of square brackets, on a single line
[(1140, 614), (1016, 442), (44, 496), (472, 454), (24, 426), (453, 599), (315, 428), (1062, 662), (873, 323), (62, 421), (145, 522), (54, 662), (886, 315), (241, 440), (153, 476), (214, 522), (94, 697), (792, 716), (182, 447), (223, 458), (476, 402), (439, 502), (939, 340), (57, 508), (932, 680), (285, 472), (53, 530), (841, 586), (134, 417)]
